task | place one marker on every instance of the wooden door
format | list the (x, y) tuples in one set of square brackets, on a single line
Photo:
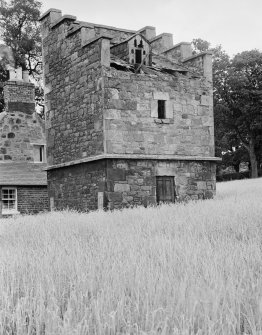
[(165, 189)]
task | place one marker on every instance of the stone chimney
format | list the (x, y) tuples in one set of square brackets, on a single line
[(19, 93)]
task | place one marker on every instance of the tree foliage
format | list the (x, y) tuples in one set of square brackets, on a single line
[(237, 104), (20, 31)]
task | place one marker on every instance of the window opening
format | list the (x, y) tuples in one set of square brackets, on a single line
[(39, 153), (9, 199), (138, 56), (135, 43), (161, 109), (141, 44)]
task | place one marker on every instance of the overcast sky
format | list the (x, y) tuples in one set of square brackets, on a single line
[(235, 24)]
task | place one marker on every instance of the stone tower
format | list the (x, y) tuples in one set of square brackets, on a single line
[(129, 116)]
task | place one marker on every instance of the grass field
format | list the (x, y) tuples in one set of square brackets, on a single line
[(184, 269)]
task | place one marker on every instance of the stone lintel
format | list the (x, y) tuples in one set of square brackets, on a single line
[(151, 157), (48, 12), (62, 19)]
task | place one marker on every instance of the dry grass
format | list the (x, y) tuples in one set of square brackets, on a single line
[(180, 269)]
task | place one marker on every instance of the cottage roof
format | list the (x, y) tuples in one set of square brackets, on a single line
[(25, 174)]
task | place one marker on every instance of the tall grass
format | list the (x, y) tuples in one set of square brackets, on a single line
[(191, 268)]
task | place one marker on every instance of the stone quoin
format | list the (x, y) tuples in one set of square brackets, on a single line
[(129, 116)]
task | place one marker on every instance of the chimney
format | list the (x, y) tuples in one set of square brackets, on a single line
[(19, 94)]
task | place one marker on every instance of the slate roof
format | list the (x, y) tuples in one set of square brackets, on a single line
[(13, 174)]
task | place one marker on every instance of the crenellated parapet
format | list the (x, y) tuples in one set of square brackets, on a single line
[(201, 62)]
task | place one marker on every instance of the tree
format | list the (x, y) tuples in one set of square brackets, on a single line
[(237, 104), (20, 31), (240, 102)]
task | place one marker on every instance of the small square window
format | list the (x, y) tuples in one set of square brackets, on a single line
[(39, 154), (161, 109)]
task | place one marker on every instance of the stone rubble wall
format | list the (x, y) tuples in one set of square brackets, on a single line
[(19, 131), (133, 182), (20, 126), (128, 182), (74, 96), (77, 186), (130, 116)]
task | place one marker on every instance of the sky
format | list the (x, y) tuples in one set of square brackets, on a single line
[(235, 24)]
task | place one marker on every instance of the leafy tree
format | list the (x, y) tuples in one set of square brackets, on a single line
[(240, 102), (237, 104), (20, 31), (200, 45)]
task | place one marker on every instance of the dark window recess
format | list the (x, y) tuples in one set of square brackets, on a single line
[(161, 109), (165, 189), (144, 52), (138, 56), (135, 43), (140, 44), (132, 51)]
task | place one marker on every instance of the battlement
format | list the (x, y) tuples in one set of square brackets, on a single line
[(64, 33)]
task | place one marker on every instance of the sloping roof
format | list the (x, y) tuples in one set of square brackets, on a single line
[(22, 174)]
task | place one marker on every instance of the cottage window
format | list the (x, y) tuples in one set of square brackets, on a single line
[(161, 109), (9, 200), (39, 153)]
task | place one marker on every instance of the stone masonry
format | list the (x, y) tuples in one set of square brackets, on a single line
[(108, 141)]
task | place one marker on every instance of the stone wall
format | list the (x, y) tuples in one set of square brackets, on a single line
[(77, 186), (127, 182), (74, 96), (133, 182), (131, 121), (20, 126), (19, 131), (32, 199)]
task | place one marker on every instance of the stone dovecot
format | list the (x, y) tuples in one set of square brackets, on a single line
[(129, 116)]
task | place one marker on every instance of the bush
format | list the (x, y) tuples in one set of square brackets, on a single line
[(236, 176)]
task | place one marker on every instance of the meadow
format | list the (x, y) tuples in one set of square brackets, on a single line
[(180, 269)]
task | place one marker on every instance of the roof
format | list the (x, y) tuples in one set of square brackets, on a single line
[(22, 174)]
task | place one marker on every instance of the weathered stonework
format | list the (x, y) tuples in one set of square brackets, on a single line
[(103, 112)]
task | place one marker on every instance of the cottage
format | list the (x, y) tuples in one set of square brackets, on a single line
[(23, 181), (129, 116)]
